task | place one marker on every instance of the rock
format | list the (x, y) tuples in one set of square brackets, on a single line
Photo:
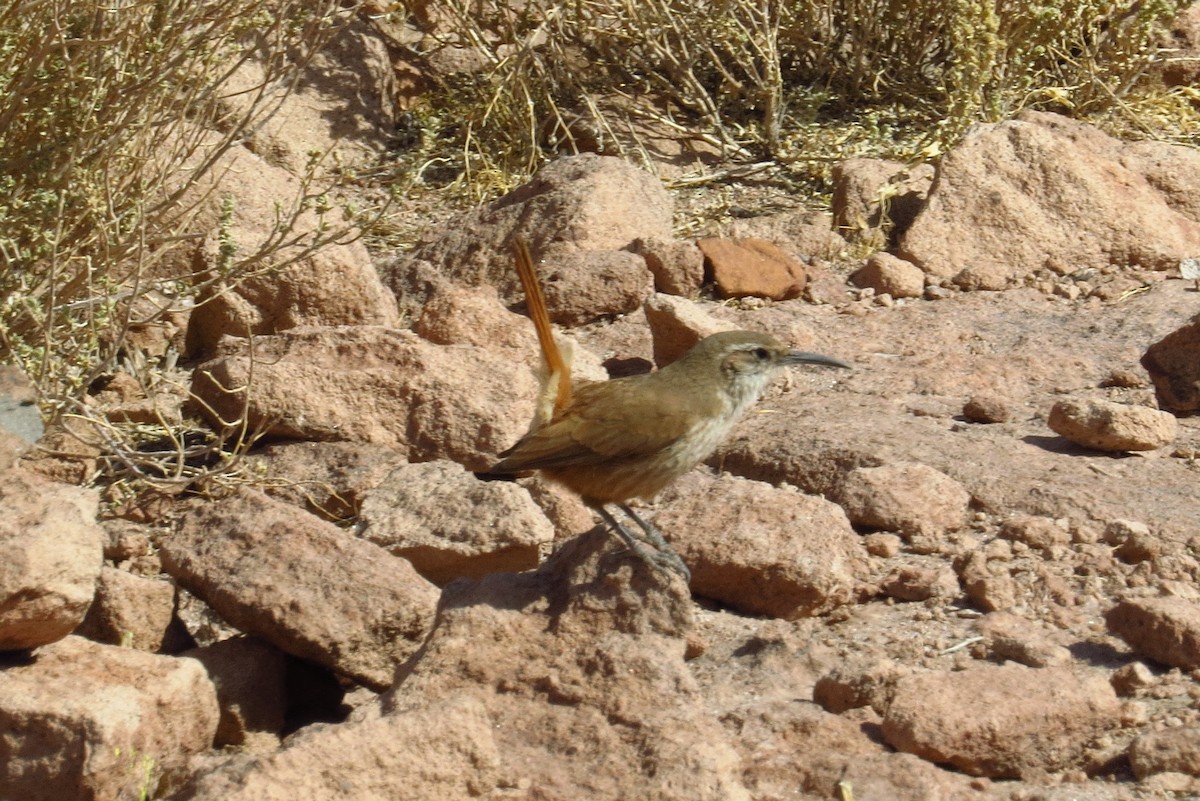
[(250, 677), (905, 497), (1107, 426), (443, 750), (677, 265), (1166, 630), (869, 194), (376, 385), (987, 277), (887, 274), (854, 685), (520, 672), (1183, 39), (328, 479), (914, 583), (882, 544), (984, 215), (84, 720), (1168, 785), (66, 454), (792, 749), (563, 508), (766, 449), (760, 549), (584, 286), (315, 113), (752, 268), (1035, 531), (11, 448), (1175, 750), (1174, 170), (601, 636), (988, 583), (1001, 722), (132, 611), (1128, 679), (449, 524), (1133, 540), (576, 203), (800, 233), (987, 408), (125, 539), (20, 420), (474, 316), (333, 285), (1008, 637), (1173, 363), (51, 552), (303, 585), (676, 325)]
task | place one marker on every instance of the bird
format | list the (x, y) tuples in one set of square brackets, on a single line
[(625, 438)]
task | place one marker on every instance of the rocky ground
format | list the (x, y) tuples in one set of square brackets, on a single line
[(965, 569)]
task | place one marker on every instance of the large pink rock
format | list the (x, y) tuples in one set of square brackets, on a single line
[(1043, 192), (907, 497), (51, 552), (753, 268), (760, 549), (449, 524), (1002, 722), (335, 284), (1108, 426), (90, 721), (376, 385), (1173, 363), (131, 610), (577, 204), (303, 585), (1165, 629)]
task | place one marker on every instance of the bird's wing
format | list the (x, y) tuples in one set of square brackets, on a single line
[(603, 424)]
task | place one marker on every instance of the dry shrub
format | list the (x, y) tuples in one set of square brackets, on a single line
[(111, 114), (753, 77)]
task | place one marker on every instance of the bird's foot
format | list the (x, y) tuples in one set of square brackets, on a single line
[(653, 548)]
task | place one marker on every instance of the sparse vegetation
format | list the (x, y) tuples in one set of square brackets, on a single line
[(112, 117), (796, 83)]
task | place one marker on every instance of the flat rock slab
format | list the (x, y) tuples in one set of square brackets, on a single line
[(906, 497), (753, 268), (83, 720), (1000, 722), (1165, 629), (130, 610), (446, 750), (761, 549), (303, 585), (1169, 751)]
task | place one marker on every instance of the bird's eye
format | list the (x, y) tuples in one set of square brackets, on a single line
[(762, 354)]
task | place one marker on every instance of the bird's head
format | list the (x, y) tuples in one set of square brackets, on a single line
[(745, 361)]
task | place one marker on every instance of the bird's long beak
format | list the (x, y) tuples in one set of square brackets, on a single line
[(802, 357)]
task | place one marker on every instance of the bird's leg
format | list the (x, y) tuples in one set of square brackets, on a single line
[(662, 556)]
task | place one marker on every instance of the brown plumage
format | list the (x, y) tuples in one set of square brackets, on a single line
[(629, 437)]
